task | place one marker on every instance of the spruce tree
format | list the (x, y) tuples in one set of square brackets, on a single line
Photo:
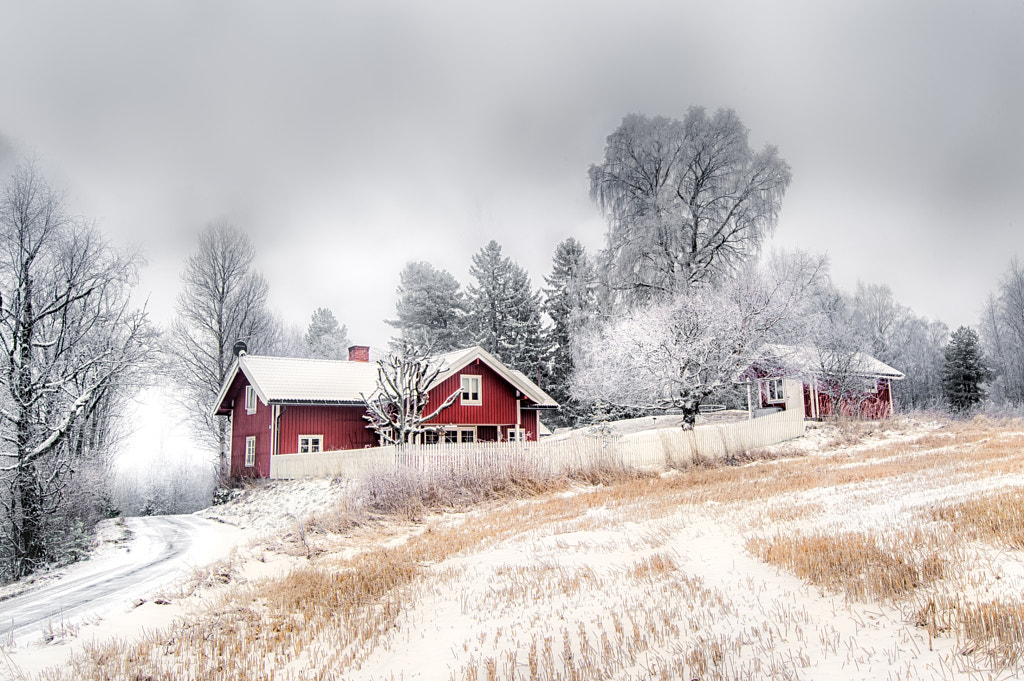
[(570, 301), (325, 338), (964, 370), (431, 309), (505, 311)]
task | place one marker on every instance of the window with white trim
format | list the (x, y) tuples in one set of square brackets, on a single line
[(250, 399), (250, 451), (471, 389), (310, 444), (516, 435), (459, 435), (775, 392)]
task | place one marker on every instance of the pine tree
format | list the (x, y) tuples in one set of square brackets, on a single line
[(570, 301), (964, 370), (326, 338), (505, 311), (431, 309)]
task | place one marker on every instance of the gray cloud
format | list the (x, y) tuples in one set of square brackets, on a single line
[(351, 137)]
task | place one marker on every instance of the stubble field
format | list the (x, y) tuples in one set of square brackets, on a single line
[(863, 552)]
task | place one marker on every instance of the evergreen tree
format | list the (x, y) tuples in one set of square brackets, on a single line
[(570, 301), (431, 309), (964, 370), (326, 338), (505, 311)]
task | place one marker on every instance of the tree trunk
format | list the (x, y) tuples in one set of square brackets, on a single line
[(690, 408)]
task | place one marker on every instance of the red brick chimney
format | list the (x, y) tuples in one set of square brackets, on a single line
[(359, 353)]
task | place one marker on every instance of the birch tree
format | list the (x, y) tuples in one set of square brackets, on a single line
[(223, 300), (71, 344), (686, 202), (395, 410)]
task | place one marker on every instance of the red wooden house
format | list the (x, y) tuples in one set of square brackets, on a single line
[(287, 405), (792, 377)]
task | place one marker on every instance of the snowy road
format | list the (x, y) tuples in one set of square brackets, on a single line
[(162, 549)]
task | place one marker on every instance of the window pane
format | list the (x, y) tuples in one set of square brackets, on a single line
[(467, 436), (451, 436)]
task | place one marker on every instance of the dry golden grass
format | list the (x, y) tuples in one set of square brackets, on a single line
[(997, 516), (991, 631), (859, 564), (327, 618)]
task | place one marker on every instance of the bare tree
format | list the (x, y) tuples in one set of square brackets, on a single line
[(395, 410), (687, 202), (1002, 330), (223, 301), (678, 353), (71, 345), (898, 337)]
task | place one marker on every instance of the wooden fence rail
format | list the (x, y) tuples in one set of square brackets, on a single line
[(652, 449)]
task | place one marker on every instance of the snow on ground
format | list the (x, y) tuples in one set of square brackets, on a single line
[(116, 592), (273, 506), (625, 589)]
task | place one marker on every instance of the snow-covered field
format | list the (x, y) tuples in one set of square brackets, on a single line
[(857, 555)]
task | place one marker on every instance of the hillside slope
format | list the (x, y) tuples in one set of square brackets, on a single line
[(897, 556)]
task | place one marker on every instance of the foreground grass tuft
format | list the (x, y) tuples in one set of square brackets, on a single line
[(858, 564)]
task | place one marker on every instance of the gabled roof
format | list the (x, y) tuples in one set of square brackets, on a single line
[(293, 380), (807, 361), (452, 362)]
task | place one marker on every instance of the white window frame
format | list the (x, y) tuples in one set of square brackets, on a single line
[(250, 400), (775, 390), (250, 451), (516, 435), (458, 432), (471, 384), (310, 449)]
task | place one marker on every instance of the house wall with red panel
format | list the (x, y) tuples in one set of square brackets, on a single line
[(341, 427), (245, 425)]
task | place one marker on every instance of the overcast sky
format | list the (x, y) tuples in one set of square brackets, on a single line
[(347, 138)]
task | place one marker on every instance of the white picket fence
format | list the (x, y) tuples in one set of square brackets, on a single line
[(652, 449)]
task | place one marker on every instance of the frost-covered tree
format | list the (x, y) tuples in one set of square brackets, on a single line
[(223, 300), (396, 408), (570, 300), (964, 370), (431, 310), (72, 346), (686, 202), (676, 354), (326, 338), (895, 335), (504, 311), (1002, 330)]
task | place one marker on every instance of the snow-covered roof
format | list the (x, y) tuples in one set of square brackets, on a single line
[(293, 380), (806, 360)]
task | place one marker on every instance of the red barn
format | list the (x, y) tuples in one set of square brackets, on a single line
[(286, 405), (865, 389)]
